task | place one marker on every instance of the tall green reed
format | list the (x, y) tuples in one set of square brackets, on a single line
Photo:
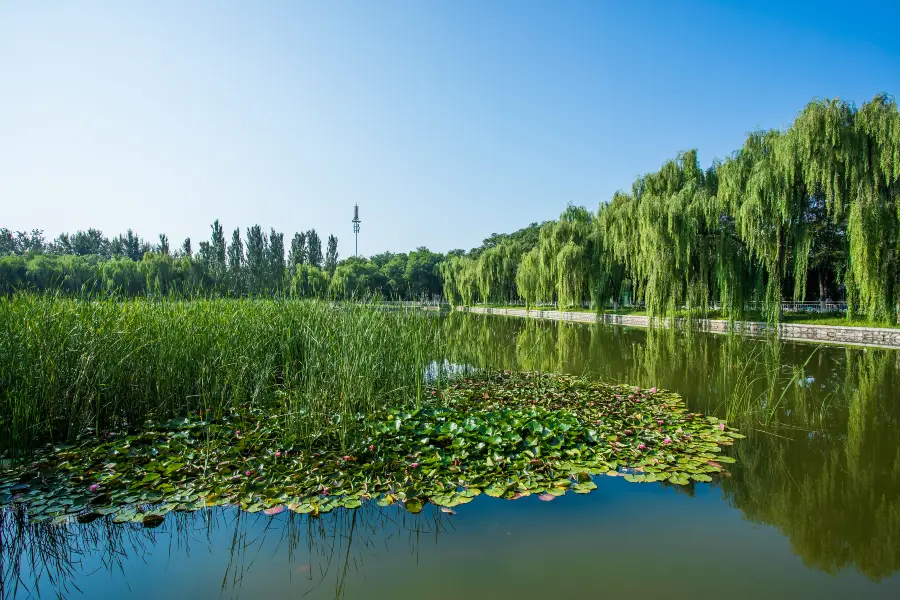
[(68, 366)]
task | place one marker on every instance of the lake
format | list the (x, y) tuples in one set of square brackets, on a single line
[(811, 507)]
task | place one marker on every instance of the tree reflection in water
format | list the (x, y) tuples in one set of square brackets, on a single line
[(821, 463), (822, 459)]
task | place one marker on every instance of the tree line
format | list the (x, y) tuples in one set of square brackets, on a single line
[(257, 263), (806, 213), (810, 212)]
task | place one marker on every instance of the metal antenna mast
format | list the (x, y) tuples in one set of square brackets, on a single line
[(356, 223)]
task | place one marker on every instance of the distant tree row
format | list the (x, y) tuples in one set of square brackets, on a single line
[(807, 213), (86, 262)]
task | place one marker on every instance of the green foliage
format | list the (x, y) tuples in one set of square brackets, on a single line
[(423, 273), (495, 271), (314, 248), (70, 365), (20, 242), (510, 435), (308, 281), (122, 276), (331, 255), (523, 240), (257, 266), (163, 247), (236, 264), (297, 254), (394, 271), (12, 273), (356, 278), (821, 197), (459, 276), (218, 269), (275, 259)]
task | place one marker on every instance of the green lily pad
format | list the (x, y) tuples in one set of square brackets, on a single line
[(492, 432)]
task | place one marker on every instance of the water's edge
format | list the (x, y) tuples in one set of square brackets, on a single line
[(830, 334)]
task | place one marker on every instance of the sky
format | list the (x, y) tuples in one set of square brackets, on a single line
[(445, 121)]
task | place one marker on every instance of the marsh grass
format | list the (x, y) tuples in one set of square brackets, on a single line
[(758, 386), (74, 366)]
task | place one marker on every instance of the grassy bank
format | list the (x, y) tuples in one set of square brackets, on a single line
[(69, 366)]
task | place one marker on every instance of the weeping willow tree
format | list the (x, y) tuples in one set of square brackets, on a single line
[(822, 196), (668, 236), (607, 281), (495, 272), (528, 277), (672, 263), (562, 265), (827, 186), (617, 240), (459, 277), (874, 214)]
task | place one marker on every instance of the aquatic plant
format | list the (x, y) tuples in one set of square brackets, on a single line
[(507, 435), (70, 365)]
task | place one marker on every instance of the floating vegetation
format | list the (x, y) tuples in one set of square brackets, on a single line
[(507, 435)]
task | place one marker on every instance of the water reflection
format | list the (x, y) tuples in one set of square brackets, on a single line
[(822, 458), (820, 465), (319, 553)]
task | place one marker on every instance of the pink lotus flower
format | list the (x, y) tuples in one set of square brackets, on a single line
[(659, 422), (667, 441), (371, 448), (346, 458), (722, 426), (642, 446), (94, 487), (631, 396), (278, 454), (636, 390), (247, 473), (414, 465), (653, 390)]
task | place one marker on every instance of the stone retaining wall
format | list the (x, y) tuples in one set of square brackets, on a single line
[(835, 334)]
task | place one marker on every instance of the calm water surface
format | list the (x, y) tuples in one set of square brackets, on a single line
[(811, 509)]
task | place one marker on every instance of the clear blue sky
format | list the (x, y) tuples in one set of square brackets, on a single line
[(446, 121)]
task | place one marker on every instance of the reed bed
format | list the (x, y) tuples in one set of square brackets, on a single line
[(74, 366)]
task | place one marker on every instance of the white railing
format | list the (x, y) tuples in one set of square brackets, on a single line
[(787, 306), (799, 307), (427, 302)]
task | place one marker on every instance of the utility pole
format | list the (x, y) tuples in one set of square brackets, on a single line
[(356, 223)]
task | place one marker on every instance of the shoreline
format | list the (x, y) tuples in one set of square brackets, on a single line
[(875, 337)]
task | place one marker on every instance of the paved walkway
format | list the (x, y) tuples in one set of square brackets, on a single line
[(833, 334)]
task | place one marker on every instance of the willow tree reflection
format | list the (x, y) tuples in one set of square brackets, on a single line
[(822, 459)]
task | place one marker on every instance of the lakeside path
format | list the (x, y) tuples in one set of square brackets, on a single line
[(876, 337)]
